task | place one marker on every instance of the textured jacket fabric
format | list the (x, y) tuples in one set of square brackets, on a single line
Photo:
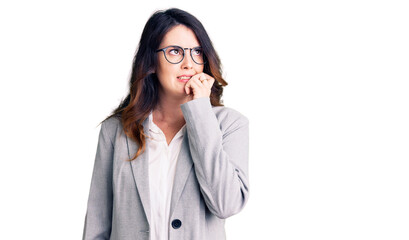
[(210, 184)]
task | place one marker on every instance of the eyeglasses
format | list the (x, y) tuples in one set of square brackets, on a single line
[(176, 54)]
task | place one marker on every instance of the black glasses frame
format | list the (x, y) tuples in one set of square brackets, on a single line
[(184, 51)]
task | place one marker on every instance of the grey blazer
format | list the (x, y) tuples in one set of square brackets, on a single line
[(211, 181)]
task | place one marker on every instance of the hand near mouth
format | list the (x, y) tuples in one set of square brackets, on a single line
[(199, 85)]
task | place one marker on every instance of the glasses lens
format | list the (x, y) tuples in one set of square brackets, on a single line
[(174, 54), (197, 55)]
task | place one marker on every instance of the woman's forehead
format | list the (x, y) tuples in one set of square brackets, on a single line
[(180, 35)]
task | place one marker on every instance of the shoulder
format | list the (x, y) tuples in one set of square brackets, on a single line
[(111, 126), (111, 123)]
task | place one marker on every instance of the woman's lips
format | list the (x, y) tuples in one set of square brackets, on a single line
[(184, 79)]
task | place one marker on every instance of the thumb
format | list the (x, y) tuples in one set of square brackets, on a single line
[(187, 89)]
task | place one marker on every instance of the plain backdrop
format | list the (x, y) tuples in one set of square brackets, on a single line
[(323, 83)]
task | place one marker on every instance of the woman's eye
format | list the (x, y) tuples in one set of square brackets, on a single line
[(174, 51), (197, 51)]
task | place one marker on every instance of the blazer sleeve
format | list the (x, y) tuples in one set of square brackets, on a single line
[(220, 158), (99, 209)]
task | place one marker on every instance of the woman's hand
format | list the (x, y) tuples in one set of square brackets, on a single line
[(199, 85)]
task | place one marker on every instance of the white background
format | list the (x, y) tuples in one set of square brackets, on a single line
[(324, 84)]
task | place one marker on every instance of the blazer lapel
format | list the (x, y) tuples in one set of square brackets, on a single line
[(183, 167), (140, 171)]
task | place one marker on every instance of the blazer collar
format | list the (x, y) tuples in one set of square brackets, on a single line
[(140, 171)]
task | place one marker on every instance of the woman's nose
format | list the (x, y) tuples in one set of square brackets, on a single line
[(187, 61)]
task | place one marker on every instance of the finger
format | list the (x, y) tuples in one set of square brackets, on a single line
[(188, 84), (199, 82), (204, 77), (195, 84), (187, 88), (207, 77), (196, 76), (206, 83), (209, 82)]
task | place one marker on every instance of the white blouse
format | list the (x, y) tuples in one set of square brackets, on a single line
[(162, 167)]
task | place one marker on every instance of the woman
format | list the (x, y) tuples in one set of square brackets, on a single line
[(171, 161)]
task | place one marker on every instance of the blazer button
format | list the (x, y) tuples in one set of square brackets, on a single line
[(176, 223)]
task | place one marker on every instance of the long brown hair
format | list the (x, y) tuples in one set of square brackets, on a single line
[(144, 84)]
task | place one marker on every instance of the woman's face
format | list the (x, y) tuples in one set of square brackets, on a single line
[(173, 77)]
